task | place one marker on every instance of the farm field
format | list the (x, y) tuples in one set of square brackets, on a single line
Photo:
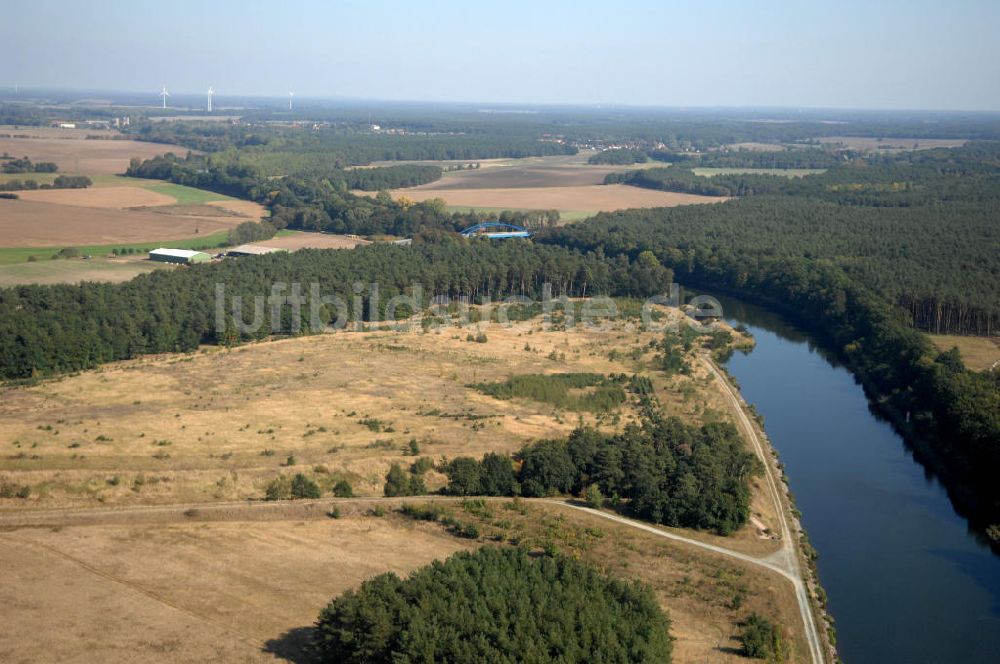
[(588, 198), (69, 271), (74, 153), (26, 223), (565, 183), (978, 353)]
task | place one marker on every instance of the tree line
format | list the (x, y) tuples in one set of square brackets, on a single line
[(46, 330)]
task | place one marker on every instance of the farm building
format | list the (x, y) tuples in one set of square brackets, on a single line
[(185, 256), (252, 250)]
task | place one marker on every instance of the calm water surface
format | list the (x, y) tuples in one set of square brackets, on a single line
[(907, 581)]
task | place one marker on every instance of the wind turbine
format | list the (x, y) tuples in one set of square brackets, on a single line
[(290, 95), (164, 94), (210, 93)]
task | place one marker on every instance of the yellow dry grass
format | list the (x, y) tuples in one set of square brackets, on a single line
[(978, 353), (99, 197)]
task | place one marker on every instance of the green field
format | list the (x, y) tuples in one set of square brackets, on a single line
[(787, 172), (184, 195)]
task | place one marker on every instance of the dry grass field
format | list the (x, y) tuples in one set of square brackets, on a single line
[(978, 353), (73, 153), (112, 270), (246, 584), (117, 198), (588, 198), (238, 581), (190, 591)]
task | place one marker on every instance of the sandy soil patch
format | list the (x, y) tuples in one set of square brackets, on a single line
[(242, 208), (313, 241), (99, 197), (26, 223), (594, 198)]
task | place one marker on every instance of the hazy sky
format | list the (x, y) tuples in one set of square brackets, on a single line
[(800, 53)]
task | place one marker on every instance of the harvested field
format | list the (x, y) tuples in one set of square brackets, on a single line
[(234, 591), (25, 223), (303, 240), (593, 198), (530, 172), (77, 155), (99, 197)]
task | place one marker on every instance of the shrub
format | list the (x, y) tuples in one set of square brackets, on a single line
[(761, 639), (593, 497), (400, 483), (343, 489), (303, 487), (495, 605)]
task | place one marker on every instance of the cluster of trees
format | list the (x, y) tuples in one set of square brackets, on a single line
[(60, 182), (495, 605), (666, 471), (25, 165), (619, 157)]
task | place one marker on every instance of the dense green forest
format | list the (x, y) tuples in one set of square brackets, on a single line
[(498, 605), (919, 228)]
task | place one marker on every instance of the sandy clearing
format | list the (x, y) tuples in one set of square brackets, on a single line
[(84, 156), (99, 197), (594, 198), (312, 241), (36, 224)]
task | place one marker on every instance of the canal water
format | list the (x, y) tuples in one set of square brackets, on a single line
[(906, 579)]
